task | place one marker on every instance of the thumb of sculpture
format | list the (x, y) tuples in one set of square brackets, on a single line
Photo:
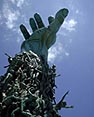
[(61, 15)]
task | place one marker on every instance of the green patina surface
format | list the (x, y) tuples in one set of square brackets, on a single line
[(42, 37), (27, 89)]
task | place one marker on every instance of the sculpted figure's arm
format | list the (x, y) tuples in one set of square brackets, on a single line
[(42, 37)]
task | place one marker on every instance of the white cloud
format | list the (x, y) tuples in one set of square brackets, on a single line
[(0, 19), (66, 53), (10, 16), (18, 40), (13, 1), (56, 52), (18, 3), (0, 16), (69, 25), (77, 11)]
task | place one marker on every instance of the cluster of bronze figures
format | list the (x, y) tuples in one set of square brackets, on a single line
[(27, 89)]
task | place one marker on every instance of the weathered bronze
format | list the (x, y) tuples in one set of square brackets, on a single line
[(42, 37), (27, 89)]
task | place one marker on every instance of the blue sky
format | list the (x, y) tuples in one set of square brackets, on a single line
[(73, 52)]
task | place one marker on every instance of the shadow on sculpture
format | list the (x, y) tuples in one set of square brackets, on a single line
[(28, 87)]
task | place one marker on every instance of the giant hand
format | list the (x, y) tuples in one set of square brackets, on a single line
[(42, 37)]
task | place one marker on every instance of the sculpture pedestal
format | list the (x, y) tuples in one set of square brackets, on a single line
[(28, 88)]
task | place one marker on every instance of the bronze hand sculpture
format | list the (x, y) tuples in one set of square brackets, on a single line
[(42, 37)]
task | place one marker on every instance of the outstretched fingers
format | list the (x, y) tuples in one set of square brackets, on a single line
[(38, 20), (33, 24), (50, 19), (24, 31)]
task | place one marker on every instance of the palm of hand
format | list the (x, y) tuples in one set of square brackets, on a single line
[(42, 38)]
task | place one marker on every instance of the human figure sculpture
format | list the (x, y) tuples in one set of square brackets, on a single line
[(42, 37)]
